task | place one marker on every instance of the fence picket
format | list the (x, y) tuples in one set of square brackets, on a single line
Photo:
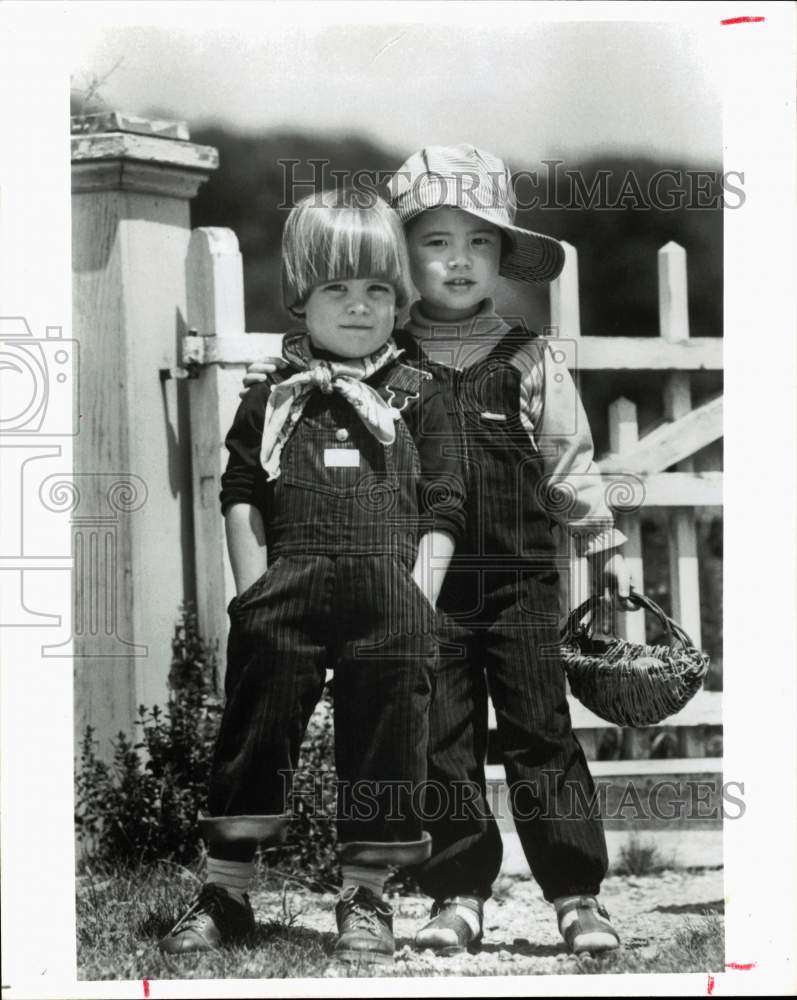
[(563, 295), (673, 292), (674, 326), (215, 303), (623, 436)]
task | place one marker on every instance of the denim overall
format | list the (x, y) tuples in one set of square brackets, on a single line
[(342, 525), (498, 632)]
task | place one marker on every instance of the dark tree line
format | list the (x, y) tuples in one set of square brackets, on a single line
[(617, 245)]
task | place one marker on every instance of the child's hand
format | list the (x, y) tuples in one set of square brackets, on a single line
[(610, 578), (258, 371)]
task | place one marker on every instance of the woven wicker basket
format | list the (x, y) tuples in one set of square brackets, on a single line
[(628, 683)]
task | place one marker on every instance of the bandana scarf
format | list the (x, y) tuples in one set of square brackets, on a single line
[(288, 399)]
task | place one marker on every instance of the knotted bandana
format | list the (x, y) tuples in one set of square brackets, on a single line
[(288, 398)]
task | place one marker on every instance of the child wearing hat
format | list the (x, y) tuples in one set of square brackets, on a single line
[(528, 448), (525, 439), (329, 476)]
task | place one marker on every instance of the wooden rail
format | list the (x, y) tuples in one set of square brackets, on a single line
[(660, 460)]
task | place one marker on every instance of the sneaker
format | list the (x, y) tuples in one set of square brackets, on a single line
[(365, 928), (214, 918), (448, 931), (586, 927)]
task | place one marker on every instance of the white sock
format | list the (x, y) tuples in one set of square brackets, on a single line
[(468, 913), (235, 876), (365, 876), (561, 901)]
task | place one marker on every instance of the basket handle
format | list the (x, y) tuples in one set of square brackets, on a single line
[(576, 616), (674, 630)]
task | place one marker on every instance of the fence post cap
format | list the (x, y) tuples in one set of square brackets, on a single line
[(112, 150), (120, 121)]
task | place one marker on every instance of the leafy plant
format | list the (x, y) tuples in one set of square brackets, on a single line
[(639, 856), (309, 851), (143, 804)]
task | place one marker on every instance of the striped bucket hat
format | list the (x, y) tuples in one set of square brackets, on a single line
[(479, 183)]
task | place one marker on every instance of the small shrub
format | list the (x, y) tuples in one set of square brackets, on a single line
[(640, 857), (144, 804), (309, 851)]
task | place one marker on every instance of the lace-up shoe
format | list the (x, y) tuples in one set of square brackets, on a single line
[(365, 928), (214, 918)]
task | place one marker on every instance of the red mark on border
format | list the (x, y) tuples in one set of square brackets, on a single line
[(710, 987), (145, 984), (740, 967), (741, 20)]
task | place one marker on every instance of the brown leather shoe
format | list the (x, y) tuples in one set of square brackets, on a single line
[(213, 919), (365, 928)]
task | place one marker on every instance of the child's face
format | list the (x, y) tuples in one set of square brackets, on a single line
[(454, 261), (351, 317)]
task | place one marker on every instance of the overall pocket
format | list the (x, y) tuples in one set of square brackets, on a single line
[(253, 589), (418, 592)]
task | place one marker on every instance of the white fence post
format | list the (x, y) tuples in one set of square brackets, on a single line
[(674, 327), (214, 276), (623, 435), (132, 183), (563, 294), (566, 324)]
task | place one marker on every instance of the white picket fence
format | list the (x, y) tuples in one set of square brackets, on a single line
[(220, 349), (142, 280)]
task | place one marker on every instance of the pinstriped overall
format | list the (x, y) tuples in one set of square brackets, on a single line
[(342, 539), (498, 631)]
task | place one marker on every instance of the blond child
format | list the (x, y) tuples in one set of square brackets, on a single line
[(330, 478)]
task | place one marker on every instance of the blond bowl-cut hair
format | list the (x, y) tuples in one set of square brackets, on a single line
[(337, 235)]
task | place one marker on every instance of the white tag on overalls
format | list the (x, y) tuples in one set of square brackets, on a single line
[(489, 415), (341, 458)]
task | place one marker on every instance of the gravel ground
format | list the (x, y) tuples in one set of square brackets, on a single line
[(521, 936)]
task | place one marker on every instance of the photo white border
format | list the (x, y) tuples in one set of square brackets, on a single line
[(758, 70)]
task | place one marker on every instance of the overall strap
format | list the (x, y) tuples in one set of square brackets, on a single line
[(402, 383), (512, 342), (515, 342)]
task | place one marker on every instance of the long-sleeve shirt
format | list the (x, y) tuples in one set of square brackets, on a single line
[(550, 410), (439, 486)]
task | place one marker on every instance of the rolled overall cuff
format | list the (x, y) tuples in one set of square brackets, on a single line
[(381, 853), (228, 829)]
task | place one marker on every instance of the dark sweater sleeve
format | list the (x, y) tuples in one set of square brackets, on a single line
[(441, 488), (243, 481)]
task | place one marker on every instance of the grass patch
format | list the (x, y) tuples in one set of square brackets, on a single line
[(121, 915), (697, 946)]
